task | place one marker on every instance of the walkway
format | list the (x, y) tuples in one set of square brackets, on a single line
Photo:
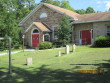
[(14, 52)]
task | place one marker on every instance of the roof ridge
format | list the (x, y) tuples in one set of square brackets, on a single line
[(61, 8), (96, 13)]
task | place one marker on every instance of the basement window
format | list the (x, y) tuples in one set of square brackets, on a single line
[(108, 30)]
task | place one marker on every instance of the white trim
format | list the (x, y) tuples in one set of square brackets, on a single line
[(43, 15), (34, 33), (59, 11), (80, 39), (107, 29), (35, 9), (36, 26), (29, 27), (47, 35), (91, 21)]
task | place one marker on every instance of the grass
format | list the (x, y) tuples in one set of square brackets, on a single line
[(48, 68)]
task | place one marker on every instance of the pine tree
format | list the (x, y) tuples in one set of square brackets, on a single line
[(64, 30)]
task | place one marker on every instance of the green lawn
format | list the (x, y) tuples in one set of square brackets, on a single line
[(48, 68)]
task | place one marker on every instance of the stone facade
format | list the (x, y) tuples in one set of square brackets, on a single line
[(28, 38), (52, 17), (99, 29), (51, 21), (78, 28)]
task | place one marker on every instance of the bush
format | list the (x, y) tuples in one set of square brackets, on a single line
[(102, 41), (45, 45), (57, 44)]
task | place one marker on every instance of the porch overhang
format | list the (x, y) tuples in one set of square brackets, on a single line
[(39, 25)]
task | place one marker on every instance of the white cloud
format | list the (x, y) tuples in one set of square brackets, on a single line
[(107, 4), (99, 2), (104, 3)]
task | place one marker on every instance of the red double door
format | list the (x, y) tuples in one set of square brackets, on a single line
[(35, 40), (86, 37)]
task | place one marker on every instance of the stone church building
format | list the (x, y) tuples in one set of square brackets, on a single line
[(41, 25)]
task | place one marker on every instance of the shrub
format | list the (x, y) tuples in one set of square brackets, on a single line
[(57, 44), (102, 41), (45, 45)]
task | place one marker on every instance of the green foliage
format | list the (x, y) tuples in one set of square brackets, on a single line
[(90, 10), (102, 41), (63, 3), (81, 11), (64, 30), (11, 13), (45, 45)]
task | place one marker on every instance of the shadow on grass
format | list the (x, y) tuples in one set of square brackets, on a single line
[(45, 75)]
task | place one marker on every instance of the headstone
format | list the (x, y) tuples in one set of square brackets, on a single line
[(29, 61), (74, 48), (67, 49), (59, 53)]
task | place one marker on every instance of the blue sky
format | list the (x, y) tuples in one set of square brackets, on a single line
[(98, 5)]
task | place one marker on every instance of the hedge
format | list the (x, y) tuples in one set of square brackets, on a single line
[(102, 41), (45, 45)]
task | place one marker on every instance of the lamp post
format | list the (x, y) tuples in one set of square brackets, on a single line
[(23, 36)]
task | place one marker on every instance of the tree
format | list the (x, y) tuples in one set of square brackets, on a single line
[(63, 4), (11, 13), (81, 11), (90, 10), (64, 30)]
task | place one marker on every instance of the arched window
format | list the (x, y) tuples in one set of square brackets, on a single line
[(47, 37), (35, 31), (43, 15)]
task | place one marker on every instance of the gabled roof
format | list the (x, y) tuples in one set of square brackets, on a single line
[(93, 17), (40, 26), (63, 11), (55, 8), (77, 18)]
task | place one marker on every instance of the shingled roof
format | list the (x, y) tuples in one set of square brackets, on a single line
[(93, 17), (63, 11), (39, 25), (77, 18)]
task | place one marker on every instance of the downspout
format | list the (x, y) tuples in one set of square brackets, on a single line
[(73, 41)]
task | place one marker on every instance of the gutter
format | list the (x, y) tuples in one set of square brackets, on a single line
[(91, 21)]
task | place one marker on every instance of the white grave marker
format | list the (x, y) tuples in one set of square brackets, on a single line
[(74, 48), (59, 53), (67, 49), (29, 61)]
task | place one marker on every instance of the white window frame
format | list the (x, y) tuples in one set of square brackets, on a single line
[(107, 30), (43, 15), (47, 35), (34, 33)]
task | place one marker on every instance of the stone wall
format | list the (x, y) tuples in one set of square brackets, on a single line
[(99, 29), (29, 36), (78, 28), (51, 20)]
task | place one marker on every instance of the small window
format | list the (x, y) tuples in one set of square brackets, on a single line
[(46, 37), (35, 31), (108, 30), (43, 15)]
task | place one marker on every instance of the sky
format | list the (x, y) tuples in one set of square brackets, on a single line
[(98, 5)]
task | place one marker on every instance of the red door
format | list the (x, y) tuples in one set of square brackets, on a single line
[(35, 40), (86, 37)]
